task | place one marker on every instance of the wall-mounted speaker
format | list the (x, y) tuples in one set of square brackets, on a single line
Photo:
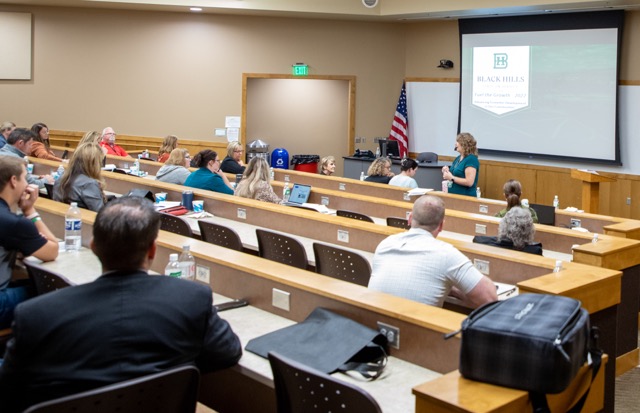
[(370, 3)]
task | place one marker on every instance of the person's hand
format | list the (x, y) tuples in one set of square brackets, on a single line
[(28, 199), (49, 179)]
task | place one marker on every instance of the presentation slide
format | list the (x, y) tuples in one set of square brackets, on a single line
[(546, 94)]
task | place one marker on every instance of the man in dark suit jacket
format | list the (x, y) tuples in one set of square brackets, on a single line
[(123, 325)]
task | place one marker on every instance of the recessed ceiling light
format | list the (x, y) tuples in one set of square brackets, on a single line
[(195, 8)]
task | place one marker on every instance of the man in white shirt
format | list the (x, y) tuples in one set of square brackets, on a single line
[(417, 266)]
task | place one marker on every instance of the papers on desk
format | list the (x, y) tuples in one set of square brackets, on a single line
[(318, 207), (166, 204), (505, 290), (419, 191)]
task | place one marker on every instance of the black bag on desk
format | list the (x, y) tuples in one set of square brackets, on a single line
[(532, 342), (327, 342)]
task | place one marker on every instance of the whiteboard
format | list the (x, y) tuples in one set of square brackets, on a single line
[(432, 108)]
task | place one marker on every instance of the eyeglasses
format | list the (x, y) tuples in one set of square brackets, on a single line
[(238, 151), (110, 134), (187, 156)]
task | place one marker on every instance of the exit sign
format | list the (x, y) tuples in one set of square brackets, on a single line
[(300, 70)]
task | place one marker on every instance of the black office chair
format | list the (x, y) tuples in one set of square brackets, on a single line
[(353, 215), (302, 389), (398, 222), (175, 224), (44, 280), (281, 248), (219, 235), (546, 214), (49, 188), (428, 157), (341, 264), (170, 391)]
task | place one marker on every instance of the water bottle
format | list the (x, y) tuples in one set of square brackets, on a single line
[(378, 152), (362, 175), (135, 168), (556, 202), (272, 174), (286, 192), (187, 263), (558, 266), (478, 192), (595, 238), (60, 171), (73, 228), (173, 268)]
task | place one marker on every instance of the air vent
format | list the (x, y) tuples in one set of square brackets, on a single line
[(370, 3)]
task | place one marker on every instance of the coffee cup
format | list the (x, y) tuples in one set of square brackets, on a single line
[(161, 197), (30, 168), (198, 206)]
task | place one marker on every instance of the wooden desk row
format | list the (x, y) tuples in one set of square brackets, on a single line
[(235, 274)]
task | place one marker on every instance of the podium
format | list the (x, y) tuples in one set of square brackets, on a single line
[(590, 188)]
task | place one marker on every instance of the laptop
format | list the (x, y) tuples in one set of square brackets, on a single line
[(299, 195)]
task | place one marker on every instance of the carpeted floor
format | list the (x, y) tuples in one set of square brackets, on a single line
[(628, 392)]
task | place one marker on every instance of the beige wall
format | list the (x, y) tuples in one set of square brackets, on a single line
[(154, 73)]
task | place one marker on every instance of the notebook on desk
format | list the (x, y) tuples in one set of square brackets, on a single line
[(299, 195)]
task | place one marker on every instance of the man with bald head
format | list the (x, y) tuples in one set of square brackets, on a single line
[(108, 142), (417, 266)]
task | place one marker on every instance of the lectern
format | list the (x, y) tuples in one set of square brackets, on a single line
[(590, 188)]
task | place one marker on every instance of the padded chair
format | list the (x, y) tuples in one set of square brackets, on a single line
[(281, 248), (353, 215), (219, 235), (174, 224), (398, 222), (45, 281), (49, 188), (341, 264), (302, 389), (427, 157), (546, 214), (170, 391)]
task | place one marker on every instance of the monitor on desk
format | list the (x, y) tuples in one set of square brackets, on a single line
[(389, 148)]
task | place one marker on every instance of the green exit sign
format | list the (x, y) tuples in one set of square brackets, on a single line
[(300, 70)]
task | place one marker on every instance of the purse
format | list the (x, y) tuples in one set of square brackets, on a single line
[(532, 342), (328, 342)]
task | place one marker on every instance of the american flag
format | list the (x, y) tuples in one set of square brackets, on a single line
[(400, 124)]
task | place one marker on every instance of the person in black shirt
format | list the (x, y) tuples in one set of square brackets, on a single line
[(233, 163)]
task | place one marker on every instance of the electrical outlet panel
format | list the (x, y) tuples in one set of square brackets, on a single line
[(482, 266), (407, 214), (343, 236), (281, 299), (242, 213), (342, 187), (391, 333), (324, 200), (629, 200), (481, 229), (286, 178), (203, 274), (484, 209), (575, 223)]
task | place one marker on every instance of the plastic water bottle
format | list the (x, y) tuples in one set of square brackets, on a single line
[(272, 174), (187, 263), (595, 238), (135, 168), (173, 268), (558, 266), (478, 192), (378, 152), (556, 202), (362, 175), (286, 192), (73, 228)]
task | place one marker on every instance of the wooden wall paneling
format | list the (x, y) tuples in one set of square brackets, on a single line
[(634, 194), (497, 175), (613, 196), (551, 183)]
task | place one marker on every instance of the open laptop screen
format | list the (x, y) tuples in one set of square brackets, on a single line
[(299, 194)]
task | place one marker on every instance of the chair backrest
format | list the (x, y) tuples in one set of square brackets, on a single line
[(170, 391), (546, 214), (341, 264), (353, 215), (219, 235), (281, 248), (49, 188), (44, 280), (174, 224), (427, 157), (398, 222), (301, 389)]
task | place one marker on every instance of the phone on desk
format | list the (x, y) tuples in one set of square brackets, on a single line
[(231, 304)]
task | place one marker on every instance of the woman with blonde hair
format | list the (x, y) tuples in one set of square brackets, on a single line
[(255, 182), (5, 130), (233, 163), (380, 171), (169, 143), (328, 165), (92, 137), (176, 169), (82, 181), (464, 171), (40, 147)]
